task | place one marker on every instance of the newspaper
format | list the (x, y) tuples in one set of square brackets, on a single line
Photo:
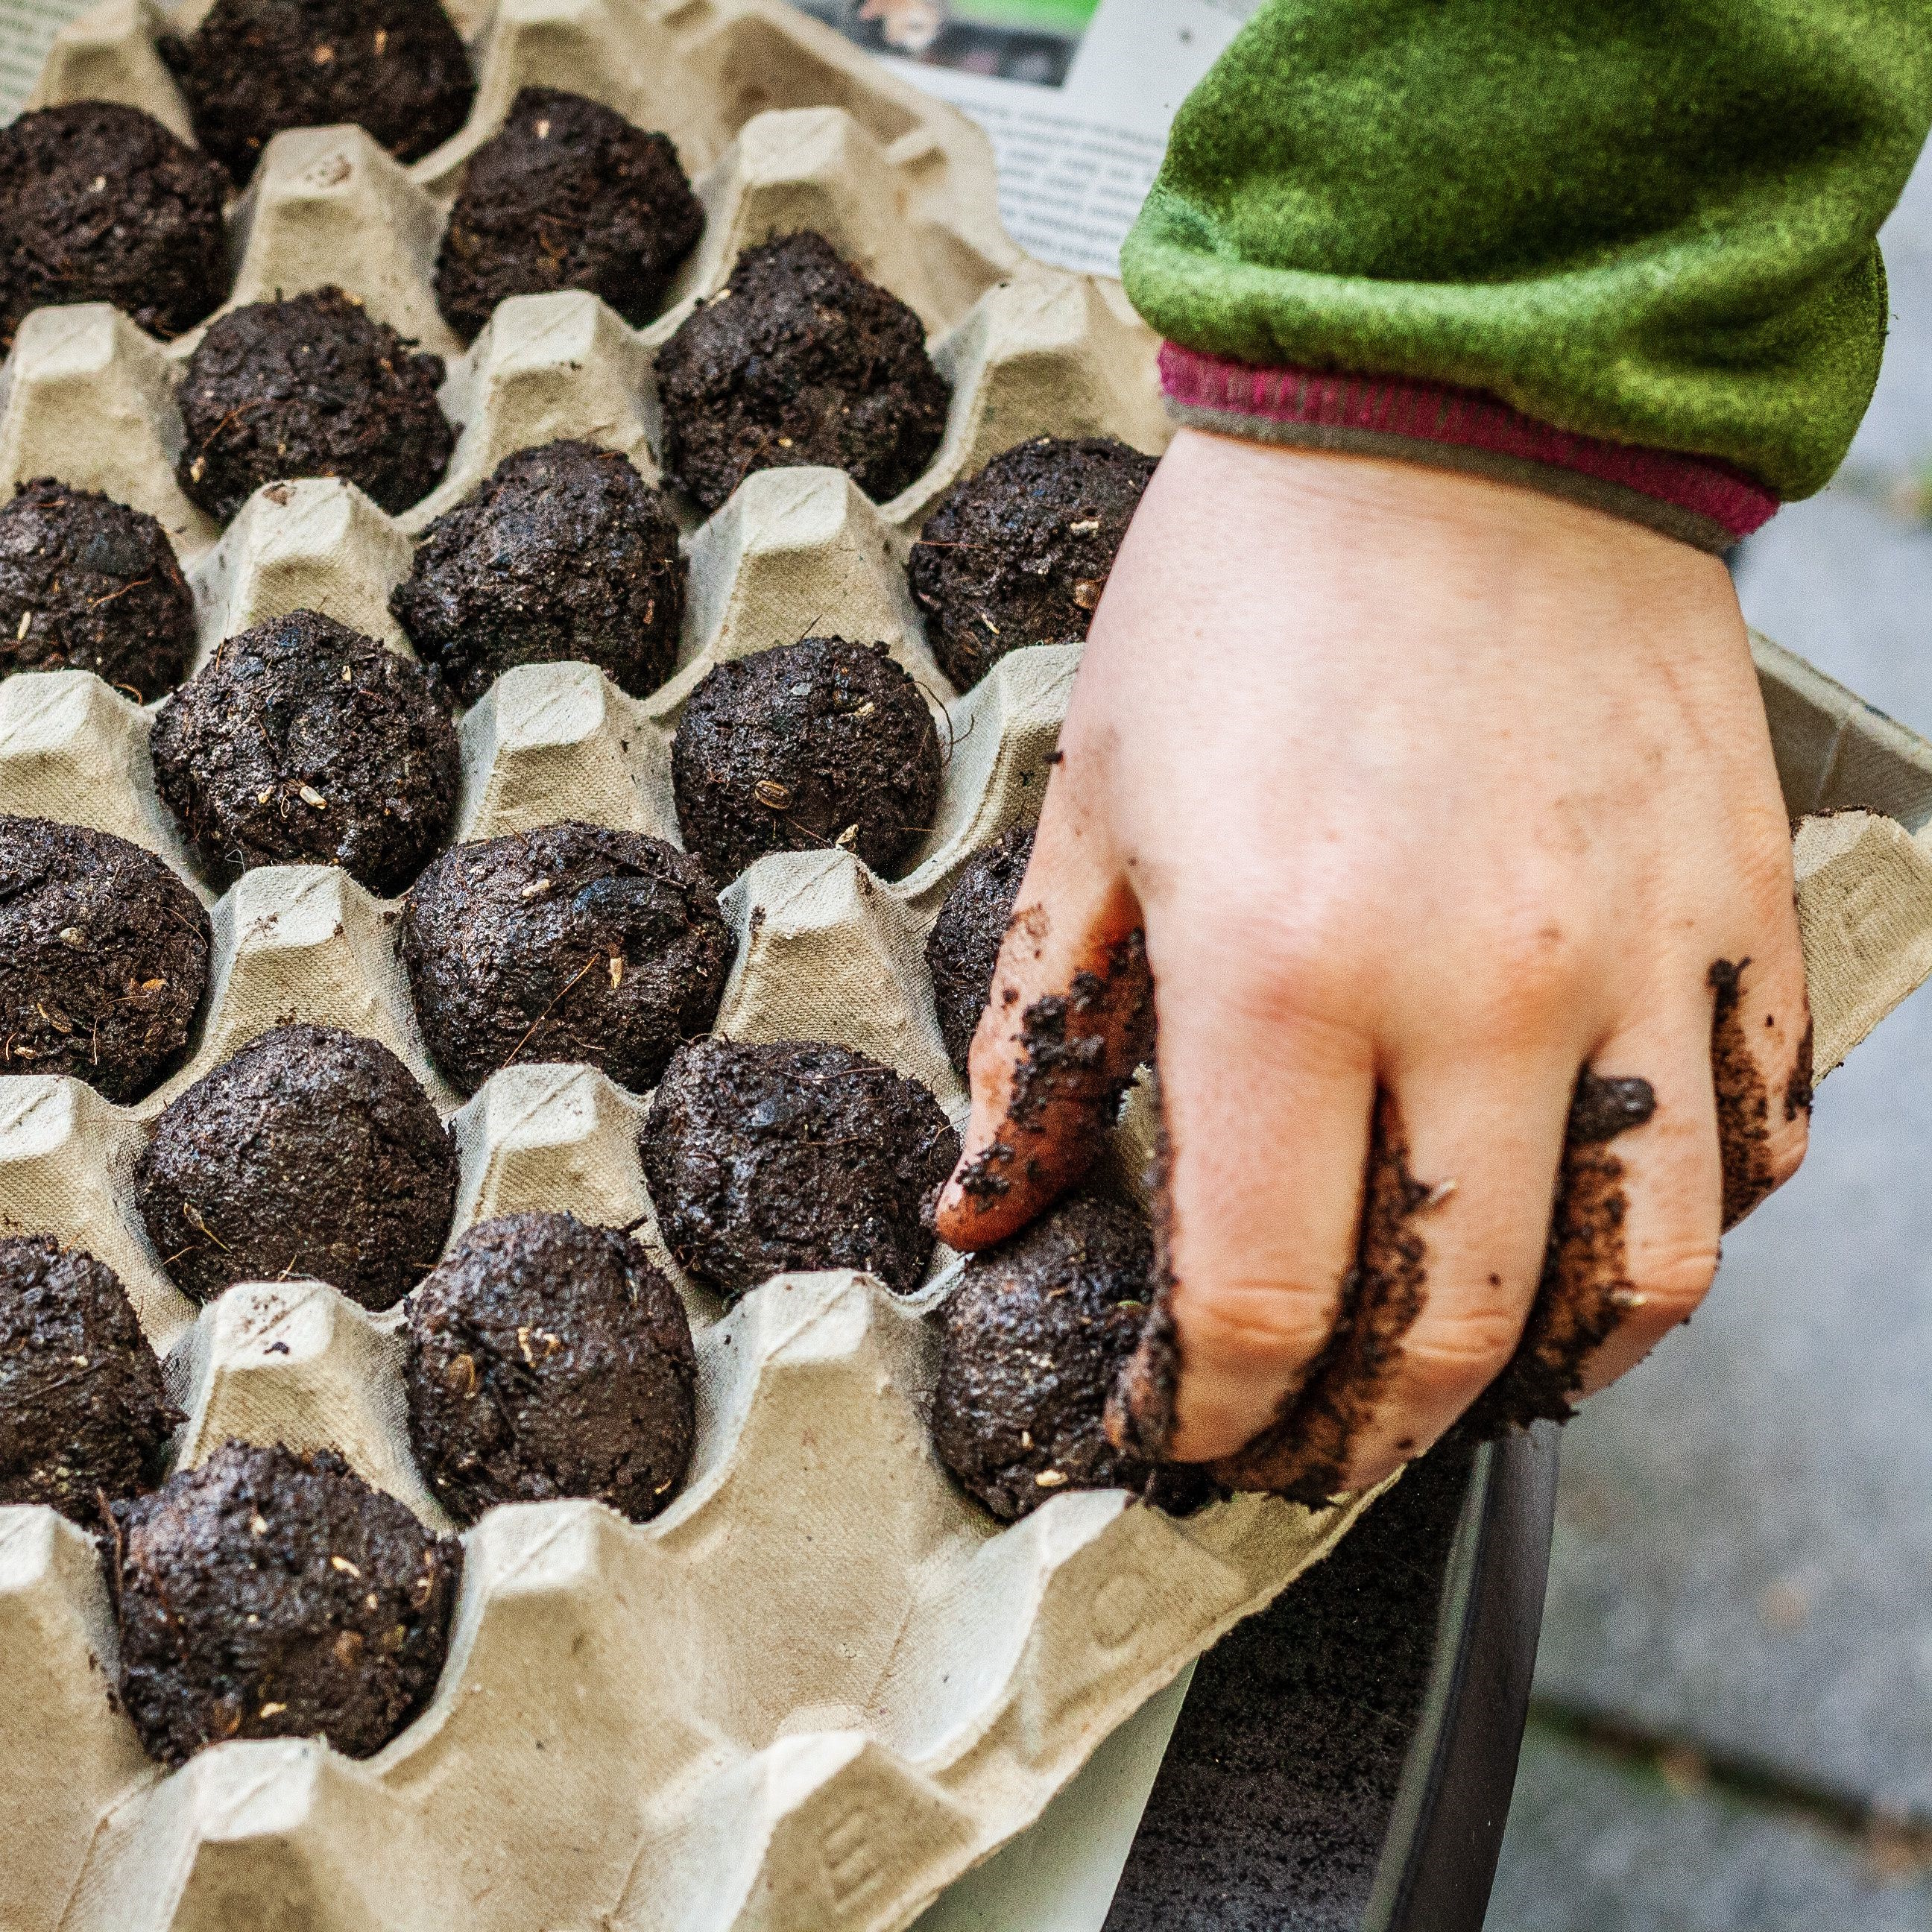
[(27, 30), (1075, 95)]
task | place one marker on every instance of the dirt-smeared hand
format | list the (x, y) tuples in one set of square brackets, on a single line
[(1443, 814)]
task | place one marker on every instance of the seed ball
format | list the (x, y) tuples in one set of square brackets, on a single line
[(313, 386), (798, 359), (1032, 1340), (569, 195), (103, 958), (1020, 553), (254, 68), (100, 203), (963, 948), (793, 1155), (817, 745), (304, 743), (84, 1413), (87, 583), (548, 1359), (270, 1595), (311, 1152), (565, 553), (570, 943)]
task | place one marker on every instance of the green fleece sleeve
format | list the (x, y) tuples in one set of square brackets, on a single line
[(1648, 221)]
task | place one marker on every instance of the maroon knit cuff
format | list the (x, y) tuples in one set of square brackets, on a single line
[(1705, 502)]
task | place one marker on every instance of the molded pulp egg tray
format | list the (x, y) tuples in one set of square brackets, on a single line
[(822, 1683)]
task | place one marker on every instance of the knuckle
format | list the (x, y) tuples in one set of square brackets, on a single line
[(1532, 965), (1790, 1141), (1461, 1354), (1244, 1323), (1673, 1279)]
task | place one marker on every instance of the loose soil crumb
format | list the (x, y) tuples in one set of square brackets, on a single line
[(1584, 1290), (269, 1595), (549, 1359), (568, 196), (1032, 1340), (103, 958), (84, 1414), (1304, 1454), (254, 68), (87, 584)]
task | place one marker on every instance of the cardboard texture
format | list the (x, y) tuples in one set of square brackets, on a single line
[(822, 1684)]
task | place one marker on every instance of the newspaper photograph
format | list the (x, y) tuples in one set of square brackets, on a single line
[(1075, 95)]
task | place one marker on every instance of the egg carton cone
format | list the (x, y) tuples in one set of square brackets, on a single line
[(824, 1683)]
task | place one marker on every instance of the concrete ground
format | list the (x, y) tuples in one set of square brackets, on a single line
[(1733, 1722)]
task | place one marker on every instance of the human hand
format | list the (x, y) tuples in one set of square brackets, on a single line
[(1429, 794)]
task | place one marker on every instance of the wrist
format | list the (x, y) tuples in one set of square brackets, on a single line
[(1696, 500)]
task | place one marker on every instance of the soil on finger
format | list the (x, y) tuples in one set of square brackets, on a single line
[(1140, 1405), (1304, 1454), (1077, 1053), (1585, 1289)]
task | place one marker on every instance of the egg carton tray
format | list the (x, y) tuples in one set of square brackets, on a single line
[(824, 1683)]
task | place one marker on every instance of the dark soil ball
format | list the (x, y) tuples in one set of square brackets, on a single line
[(793, 1156), (565, 554), (253, 67), (87, 584), (310, 1153), (570, 943), (1033, 1338), (100, 202), (798, 359), (1020, 553), (84, 1413), (103, 958), (304, 743), (270, 1595), (963, 948), (814, 745), (550, 1359), (568, 196), (313, 386)]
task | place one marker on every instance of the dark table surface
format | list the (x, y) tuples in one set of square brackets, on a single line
[(1344, 1760)]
